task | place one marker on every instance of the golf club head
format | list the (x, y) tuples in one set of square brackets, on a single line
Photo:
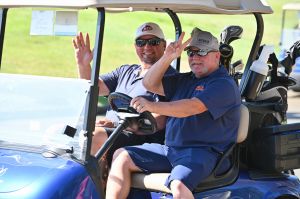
[(226, 54), (226, 50), (238, 65), (231, 33)]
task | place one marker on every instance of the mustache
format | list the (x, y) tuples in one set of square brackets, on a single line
[(197, 63)]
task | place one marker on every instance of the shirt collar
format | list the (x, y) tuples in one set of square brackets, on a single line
[(137, 71)]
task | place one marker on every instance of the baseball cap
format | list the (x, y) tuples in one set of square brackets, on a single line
[(203, 40), (149, 28)]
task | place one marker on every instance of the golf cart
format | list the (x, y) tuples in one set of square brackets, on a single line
[(290, 33), (45, 145)]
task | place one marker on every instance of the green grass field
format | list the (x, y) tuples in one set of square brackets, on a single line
[(54, 56)]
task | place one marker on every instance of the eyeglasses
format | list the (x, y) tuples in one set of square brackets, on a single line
[(151, 42), (192, 53)]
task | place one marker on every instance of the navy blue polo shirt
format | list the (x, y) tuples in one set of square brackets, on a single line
[(217, 127), (126, 79)]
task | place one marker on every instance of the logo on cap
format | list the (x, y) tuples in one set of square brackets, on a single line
[(204, 41), (147, 28)]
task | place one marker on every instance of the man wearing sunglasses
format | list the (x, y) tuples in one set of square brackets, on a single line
[(149, 45), (203, 118)]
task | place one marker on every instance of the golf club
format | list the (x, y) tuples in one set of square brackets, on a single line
[(231, 33)]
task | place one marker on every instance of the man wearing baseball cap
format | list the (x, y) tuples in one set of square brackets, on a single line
[(203, 118), (149, 45)]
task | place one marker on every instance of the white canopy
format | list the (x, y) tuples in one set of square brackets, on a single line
[(291, 6), (178, 6), (72, 4)]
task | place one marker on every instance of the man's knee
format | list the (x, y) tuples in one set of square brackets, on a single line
[(123, 159), (99, 132), (119, 152), (99, 136)]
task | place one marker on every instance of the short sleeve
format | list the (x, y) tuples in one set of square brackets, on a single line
[(219, 96), (111, 79), (171, 71)]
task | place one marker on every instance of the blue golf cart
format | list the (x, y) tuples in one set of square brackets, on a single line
[(46, 123)]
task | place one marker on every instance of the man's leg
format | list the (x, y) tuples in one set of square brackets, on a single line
[(190, 167), (180, 191), (99, 137), (119, 179), (148, 158)]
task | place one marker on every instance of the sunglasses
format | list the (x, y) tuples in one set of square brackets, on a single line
[(192, 53), (150, 42)]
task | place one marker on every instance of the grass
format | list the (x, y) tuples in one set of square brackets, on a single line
[(54, 56)]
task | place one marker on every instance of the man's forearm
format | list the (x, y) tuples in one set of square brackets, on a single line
[(180, 108), (153, 77), (84, 72)]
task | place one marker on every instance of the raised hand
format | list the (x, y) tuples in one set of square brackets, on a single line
[(83, 53), (174, 49)]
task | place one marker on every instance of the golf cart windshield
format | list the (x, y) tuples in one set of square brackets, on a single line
[(38, 111)]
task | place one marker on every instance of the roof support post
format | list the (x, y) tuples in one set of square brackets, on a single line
[(178, 31), (92, 100), (3, 14), (253, 52), (91, 104)]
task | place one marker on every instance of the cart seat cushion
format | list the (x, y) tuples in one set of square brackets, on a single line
[(244, 124)]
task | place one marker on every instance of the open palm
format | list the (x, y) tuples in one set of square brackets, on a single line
[(83, 53)]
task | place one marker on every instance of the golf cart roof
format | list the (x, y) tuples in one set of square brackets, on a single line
[(291, 6), (178, 6), (187, 6), (69, 4)]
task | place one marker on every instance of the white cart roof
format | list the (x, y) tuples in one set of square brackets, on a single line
[(179, 6), (291, 6)]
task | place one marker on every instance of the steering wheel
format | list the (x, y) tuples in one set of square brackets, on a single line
[(145, 121)]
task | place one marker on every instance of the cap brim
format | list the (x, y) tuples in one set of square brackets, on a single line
[(188, 47), (204, 48), (148, 34)]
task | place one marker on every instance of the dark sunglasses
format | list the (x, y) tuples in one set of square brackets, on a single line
[(151, 42), (192, 53)]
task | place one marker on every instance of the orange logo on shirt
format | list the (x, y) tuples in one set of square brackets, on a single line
[(199, 88)]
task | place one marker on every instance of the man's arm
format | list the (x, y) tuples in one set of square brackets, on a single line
[(153, 78), (83, 57), (180, 108)]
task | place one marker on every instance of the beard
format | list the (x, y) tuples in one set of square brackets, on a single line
[(199, 70), (149, 59)]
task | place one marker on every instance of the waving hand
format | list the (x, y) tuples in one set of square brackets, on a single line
[(174, 49)]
